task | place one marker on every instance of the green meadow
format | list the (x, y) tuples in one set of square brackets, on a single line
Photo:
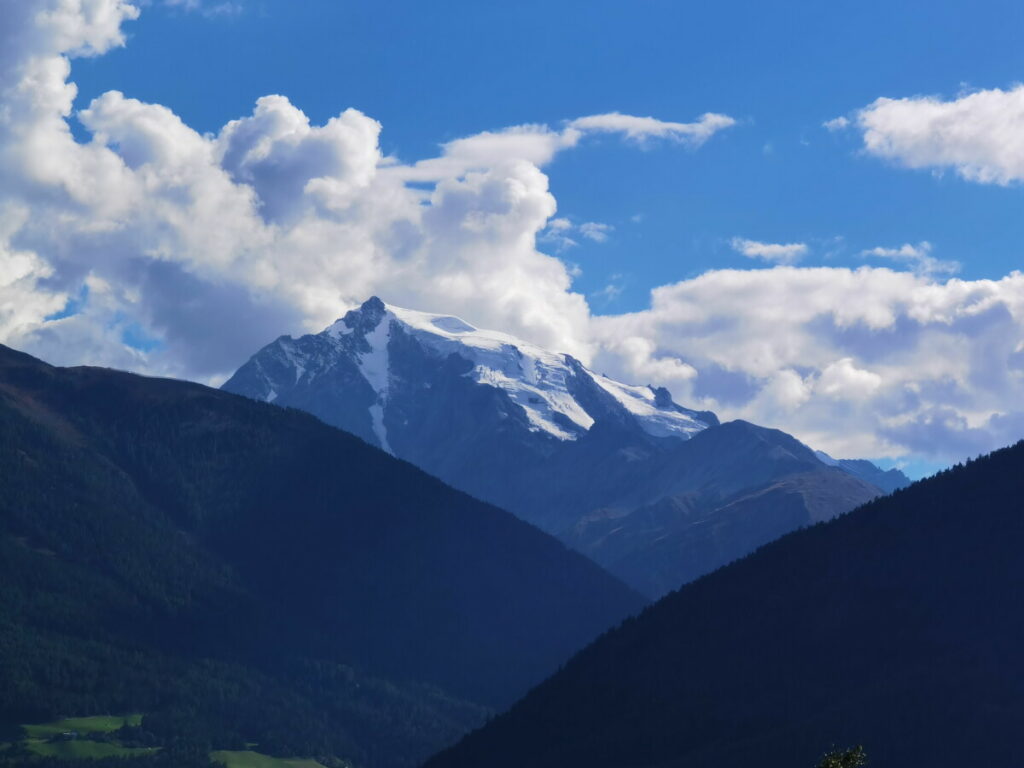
[(249, 759), (82, 725), (82, 749), (44, 740)]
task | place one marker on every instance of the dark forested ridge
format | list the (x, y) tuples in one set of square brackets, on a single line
[(241, 572), (899, 626)]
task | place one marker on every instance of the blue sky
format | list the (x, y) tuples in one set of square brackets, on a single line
[(649, 186), (435, 72)]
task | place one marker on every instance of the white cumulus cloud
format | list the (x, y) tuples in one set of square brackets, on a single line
[(979, 135), (183, 252)]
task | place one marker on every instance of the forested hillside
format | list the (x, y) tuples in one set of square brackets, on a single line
[(898, 626), (243, 573)]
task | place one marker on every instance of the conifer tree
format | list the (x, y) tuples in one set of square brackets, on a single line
[(853, 757)]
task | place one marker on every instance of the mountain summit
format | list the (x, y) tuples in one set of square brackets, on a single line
[(656, 492), (379, 353)]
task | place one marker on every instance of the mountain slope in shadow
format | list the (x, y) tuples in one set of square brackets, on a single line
[(251, 572), (898, 626)]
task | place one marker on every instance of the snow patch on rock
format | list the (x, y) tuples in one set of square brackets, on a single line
[(669, 421), (374, 367)]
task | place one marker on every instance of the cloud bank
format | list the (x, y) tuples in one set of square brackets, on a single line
[(153, 247), (861, 362)]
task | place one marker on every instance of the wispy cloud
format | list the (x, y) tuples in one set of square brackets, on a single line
[(596, 231), (778, 253), (918, 257), (643, 128), (540, 144), (610, 292), (836, 124), (208, 8), (560, 232)]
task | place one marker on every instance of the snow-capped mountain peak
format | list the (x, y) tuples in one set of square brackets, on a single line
[(539, 381), (553, 393)]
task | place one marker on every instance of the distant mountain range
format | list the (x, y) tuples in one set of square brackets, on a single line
[(657, 493), (898, 626), (239, 572)]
